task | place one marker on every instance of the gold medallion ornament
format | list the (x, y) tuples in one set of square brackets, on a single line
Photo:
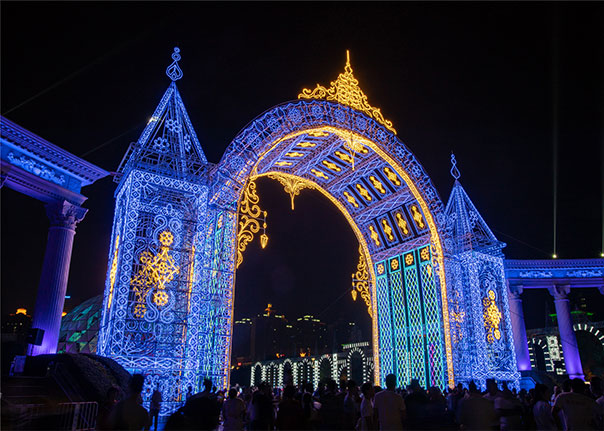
[(492, 317), (250, 216), (360, 282), (156, 272), (346, 91)]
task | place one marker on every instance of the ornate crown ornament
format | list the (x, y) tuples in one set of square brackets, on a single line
[(346, 91)]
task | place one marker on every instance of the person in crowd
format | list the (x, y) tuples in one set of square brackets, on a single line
[(453, 398), (416, 402), (290, 415), (261, 410), (351, 406), (233, 412), (580, 411), (476, 412), (436, 417), (366, 420), (492, 390), (106, 407), (202, 410), (509, 410), (129, 414), (311, 413), (389, 406), (189, 392), (331, 407), (542, 411), (155, 406)]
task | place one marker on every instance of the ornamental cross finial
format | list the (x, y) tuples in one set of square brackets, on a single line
[(454, 171), (173, 70)]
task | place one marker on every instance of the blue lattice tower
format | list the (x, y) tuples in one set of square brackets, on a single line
[(479, 312), (155, 295)]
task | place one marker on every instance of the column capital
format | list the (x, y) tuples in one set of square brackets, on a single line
[(559, 291), (65, 214), (515, 290)]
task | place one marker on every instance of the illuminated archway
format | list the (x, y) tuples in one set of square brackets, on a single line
[(395, 212), (181, 226)]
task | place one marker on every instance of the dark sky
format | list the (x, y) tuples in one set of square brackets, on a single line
[(475, 78)]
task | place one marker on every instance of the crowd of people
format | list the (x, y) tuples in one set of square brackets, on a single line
[(573, 406)]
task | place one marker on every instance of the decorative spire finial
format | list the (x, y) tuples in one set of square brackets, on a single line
[(346, 91), (173, 71), (454, 171)]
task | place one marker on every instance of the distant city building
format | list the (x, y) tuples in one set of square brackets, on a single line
[(17, 324)]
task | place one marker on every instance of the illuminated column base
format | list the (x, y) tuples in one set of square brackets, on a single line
[(567, 335), (523, 358), (55, 272)]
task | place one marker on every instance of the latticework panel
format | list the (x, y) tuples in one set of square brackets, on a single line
[(384, 321), (417, 365), (399, 321), (433, 319)]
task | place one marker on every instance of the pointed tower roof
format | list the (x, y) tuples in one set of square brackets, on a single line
[(168, 144), (467, 227)]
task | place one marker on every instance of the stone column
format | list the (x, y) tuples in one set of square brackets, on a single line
[(523, 358), (567, 335), (63, 217)]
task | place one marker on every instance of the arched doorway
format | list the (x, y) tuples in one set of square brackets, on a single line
[(390, 203)]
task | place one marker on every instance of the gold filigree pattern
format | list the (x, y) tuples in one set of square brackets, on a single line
[(249, 220), (402, 223), (346, 91), (292, 185), (157, 271), (351, 199), (374, 236), (387, 229), (360, 282), (283, 163), (377, 184), (392, 176), (319, 174), (417, 216), (306, 144), (331, 166), (344, 157), (294, 154), (363, 191), (492, 317)]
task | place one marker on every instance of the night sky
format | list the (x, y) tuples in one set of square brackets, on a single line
[(474, 78)]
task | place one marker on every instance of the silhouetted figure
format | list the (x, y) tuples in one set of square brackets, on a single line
[(233, 412), (476, 412), (331, 407), (366, 420), (580, 411), (261, 409), (542, 411), (509, 410), (129, 414), (189, 392), (106, 407), (311, 413), (389, 406), (416, 402), (290, 415), (155, 406), (352, 406), (202, 410)]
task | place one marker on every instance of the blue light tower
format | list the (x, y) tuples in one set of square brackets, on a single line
[(153, 293), (481, 329)]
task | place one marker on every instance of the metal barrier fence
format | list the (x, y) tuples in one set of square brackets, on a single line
[(65, 416)]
